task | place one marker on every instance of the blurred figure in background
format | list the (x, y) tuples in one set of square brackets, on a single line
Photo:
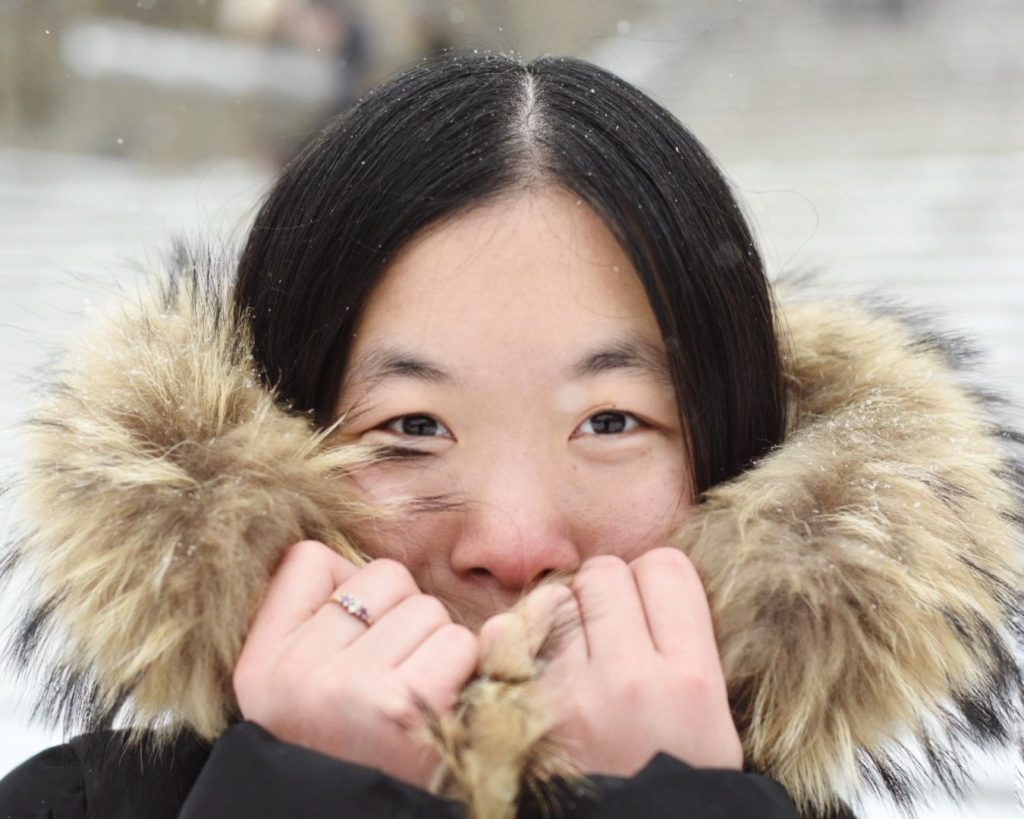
[(330, 30)]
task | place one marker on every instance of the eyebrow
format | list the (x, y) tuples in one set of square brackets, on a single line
[(632, 354), (395, 362)]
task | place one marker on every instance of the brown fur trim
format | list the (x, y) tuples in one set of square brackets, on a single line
[(496, 745), (864, 577), (162, 484)]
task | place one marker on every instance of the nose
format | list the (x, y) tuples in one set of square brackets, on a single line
[(515, 531)]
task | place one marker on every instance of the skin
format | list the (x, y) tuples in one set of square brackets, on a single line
[(511, 358)]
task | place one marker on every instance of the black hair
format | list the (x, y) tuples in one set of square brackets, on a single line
[(456, 132)]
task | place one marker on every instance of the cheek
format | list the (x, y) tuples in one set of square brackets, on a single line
[(620, 509), (629, 512), (410, 534)]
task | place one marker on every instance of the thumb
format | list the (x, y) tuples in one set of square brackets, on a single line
[(537, 628)]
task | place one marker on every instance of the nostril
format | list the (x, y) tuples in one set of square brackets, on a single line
[(481, 573)]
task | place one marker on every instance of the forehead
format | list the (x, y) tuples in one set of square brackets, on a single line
[(529, 267)]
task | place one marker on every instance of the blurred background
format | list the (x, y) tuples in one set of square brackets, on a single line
[(881, 141)]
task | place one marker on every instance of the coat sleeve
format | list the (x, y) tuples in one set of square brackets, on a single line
[(50, 785), (102, 775), (668, 788), (250, 773)]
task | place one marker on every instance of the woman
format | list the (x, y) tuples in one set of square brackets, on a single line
[(403, 518)]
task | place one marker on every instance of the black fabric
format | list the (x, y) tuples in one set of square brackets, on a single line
[(50, 785), (668, 789), (128, 781), (252, 774), (102, 775), (249, 774)]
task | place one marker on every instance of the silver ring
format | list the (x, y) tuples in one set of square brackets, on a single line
[(354, 606)]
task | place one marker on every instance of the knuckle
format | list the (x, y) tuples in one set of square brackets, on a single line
[(429, 609), (495, 626), (605, 563), (326, 690), (631, 687), (457, 631), (666, 556), (399, 705), (392, 572), (558, 592), (304, 550), (461, 639), (699, 686), (600, 569), (578, 717)]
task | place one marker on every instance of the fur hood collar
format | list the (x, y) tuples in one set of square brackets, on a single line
[(864, 578)]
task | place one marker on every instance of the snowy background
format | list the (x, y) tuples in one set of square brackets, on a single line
[(882, 142)]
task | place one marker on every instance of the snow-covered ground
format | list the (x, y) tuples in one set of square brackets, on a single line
[(916, 190)]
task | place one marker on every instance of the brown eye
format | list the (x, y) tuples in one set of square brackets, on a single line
[(419, 426), (608, 422)]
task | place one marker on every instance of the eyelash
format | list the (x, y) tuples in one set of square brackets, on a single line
[(389, 425), (632, 422), (637, 423)]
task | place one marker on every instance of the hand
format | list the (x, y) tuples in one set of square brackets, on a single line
[(637, 668), (314, 675)]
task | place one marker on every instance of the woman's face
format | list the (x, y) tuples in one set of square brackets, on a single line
[(511, 358)]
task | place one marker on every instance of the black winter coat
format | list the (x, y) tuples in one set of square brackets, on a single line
[(248, 774)]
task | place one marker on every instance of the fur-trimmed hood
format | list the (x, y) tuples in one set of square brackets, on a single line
[(864, 577)]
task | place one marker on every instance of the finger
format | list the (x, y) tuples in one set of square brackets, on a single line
[(439, 668), (564, 648), (379, 586), (306, 576), (543, 625), (495, 635), (555, 623), (402, 629), (613, 617), (676, 605)]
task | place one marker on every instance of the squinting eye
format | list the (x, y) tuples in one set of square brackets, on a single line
[(423, 426), (608, 423)]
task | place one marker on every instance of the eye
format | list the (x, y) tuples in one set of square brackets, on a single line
[(607, 422), (418, 426)]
